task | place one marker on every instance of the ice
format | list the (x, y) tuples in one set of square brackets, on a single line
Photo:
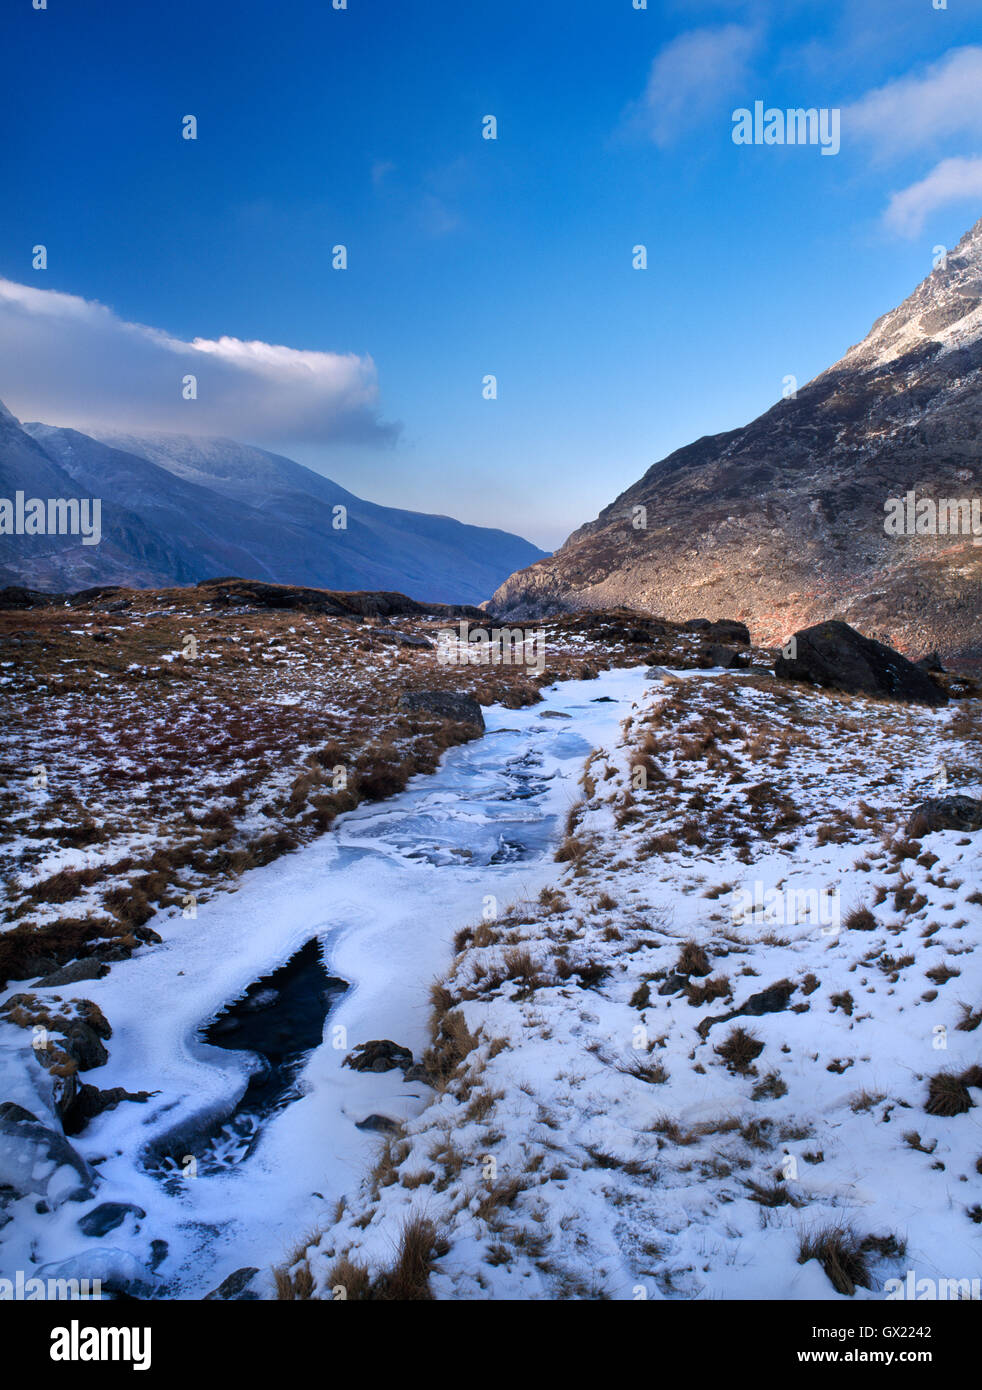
[(385, 894)]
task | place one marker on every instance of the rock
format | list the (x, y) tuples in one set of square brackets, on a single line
[(118, 1272), (835, 656), (729, 630), (36, 1159), (603, 700), (106, 1217), (159, 1250), (406, 639), (962, 813), (378, 1124), (88, 969), (657, 673), (697, 625), (727, 657), (380, 1054), (445, 704), (767, 1001), (236, 1286), (9, 1110), (78, 1102), (931, 662), (84, 1045)]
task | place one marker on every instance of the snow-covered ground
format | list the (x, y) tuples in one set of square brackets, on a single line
[(598, 1138), (595, 1135), (384, 894)]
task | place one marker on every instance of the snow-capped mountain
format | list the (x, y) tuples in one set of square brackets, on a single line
[(176, 509), (782, 522)]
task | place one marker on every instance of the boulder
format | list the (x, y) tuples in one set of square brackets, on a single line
[(401, 639), (378, 1124), (834, 656), (381, 1054), (729, 630), (36, 1159), (77, 1102), (87, 969), (84, 1045), (444, 704), (236, 1286), (120, 1273), (727, 657), (931, 662), (106, 1217), (962, 813)]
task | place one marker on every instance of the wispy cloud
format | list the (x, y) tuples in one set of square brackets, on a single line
[(68, 360), (922, 111), (689, 78), (952, 181)]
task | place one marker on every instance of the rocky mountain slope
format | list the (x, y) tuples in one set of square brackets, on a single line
[(781, 523), (177, 510)]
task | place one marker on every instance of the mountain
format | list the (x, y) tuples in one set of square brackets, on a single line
[(782, 523), (176, 510), (131, 551)]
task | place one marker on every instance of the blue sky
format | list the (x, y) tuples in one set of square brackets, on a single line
[(467, 257)]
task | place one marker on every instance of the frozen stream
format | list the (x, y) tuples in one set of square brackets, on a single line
[(382, 895)]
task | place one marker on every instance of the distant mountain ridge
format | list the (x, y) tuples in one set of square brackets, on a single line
[(781, 523), (177, 510)]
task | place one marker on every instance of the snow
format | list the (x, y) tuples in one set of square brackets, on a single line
[(626, 1187), (385, 917)]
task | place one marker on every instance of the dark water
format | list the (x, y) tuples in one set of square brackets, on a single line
[(279, 1020)]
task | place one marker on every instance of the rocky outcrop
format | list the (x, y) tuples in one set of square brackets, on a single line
[(835, 656), (962, 813), (444, 704)]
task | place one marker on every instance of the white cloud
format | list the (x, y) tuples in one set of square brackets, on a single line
[(951, 181), (917, 112), (72, 361), (690, 77)]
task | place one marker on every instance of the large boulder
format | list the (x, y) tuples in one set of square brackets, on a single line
[(444, 704), (962, 813), (36, 1159), (835, 656), (86, 969), (726, 657), (727, 630)]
